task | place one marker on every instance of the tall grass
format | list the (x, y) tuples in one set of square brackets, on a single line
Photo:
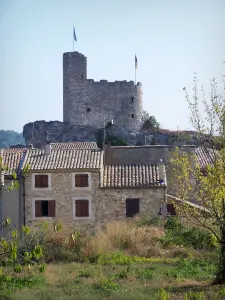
[(126, 236)]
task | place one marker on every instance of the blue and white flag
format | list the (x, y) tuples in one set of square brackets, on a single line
[(74, 34)]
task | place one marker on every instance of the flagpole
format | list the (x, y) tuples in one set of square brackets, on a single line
[(135, 68), (73, 37)]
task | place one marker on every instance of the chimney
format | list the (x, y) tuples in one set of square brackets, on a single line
[(161, 171), (48, 148)]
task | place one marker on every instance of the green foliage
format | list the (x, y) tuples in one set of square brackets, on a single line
[(9, 138), (146, 273), (84, 274), (115, 141), (177, 234), (106, 285), (163, 295), (149, 122)]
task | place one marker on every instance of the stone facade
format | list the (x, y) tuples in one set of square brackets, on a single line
[(106, 204), (86, 103)]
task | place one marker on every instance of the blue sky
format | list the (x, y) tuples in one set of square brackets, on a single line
[(172, 39)]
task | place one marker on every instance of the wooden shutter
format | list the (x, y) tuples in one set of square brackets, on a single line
[(132, 207), (84, 180), (85, 208), (44, 181), (37, 181), (78, 182), (171, 210), (51, 208), (78, 210), (38, 208)]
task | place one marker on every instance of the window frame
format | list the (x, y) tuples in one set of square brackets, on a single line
[(33, 208), (89, 208), (74, 187), (41, 188)]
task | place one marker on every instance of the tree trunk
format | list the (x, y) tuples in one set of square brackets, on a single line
[(220, 277)]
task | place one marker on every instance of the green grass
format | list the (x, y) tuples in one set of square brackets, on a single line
[(152, 278)]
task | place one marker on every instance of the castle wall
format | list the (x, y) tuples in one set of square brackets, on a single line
[(87, 102)]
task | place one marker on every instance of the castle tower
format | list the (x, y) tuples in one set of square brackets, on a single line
[(74, 73), (87, 102)]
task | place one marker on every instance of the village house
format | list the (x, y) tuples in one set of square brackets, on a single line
[(11, 199), (72, 184)]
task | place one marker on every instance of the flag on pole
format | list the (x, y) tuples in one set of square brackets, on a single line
[(136, 62), (74, 34)]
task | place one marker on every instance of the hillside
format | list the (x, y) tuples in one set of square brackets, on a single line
[(10, 138)]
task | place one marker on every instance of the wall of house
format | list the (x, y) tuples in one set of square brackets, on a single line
[(106, 204), (11, 206)]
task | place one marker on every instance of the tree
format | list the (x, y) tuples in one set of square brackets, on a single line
[(208, 186), (149, 122), (12, 253)]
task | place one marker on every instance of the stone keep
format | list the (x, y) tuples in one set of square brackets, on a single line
[(86, 102)]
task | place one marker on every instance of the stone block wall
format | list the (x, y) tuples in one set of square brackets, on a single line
[(86, 102), (106, 204)]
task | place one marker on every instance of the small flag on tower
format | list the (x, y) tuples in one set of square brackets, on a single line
[(74, 34), (136, 62)]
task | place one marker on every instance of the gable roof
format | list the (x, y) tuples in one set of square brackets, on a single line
[(63, 159), (205, 156), (132, 176), (12, 159)]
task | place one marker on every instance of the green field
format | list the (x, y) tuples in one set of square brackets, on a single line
[(125, 261), (120, 279)]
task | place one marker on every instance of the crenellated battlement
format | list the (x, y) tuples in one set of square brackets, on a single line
[(86, 101), (116, 82)]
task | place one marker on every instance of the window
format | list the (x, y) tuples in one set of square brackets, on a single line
[(132, 99), (41, 181), (44, 208), (132, 116), (171, 210), (81, 180), (132, 207), (82, 208), (88, 109)]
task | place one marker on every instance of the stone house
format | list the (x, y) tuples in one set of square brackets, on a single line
[(11, 199), (71, 183)]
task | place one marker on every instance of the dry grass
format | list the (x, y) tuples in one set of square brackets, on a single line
[(122, 235)]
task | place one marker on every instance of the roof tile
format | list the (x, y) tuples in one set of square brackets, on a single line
[(64, 159), (131, 176)]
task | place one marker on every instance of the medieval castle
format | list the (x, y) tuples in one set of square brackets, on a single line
[(88, 106)]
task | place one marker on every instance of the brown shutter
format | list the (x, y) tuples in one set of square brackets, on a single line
[(85, 208), (78, 212), (51, 208), (38, 208), (37, 181), (84, 180), (44, 181), (78, 180)]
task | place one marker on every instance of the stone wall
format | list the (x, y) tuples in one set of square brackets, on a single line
[(106, 204), (86, 102)]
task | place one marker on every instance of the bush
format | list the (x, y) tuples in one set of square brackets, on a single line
[(177, 234)]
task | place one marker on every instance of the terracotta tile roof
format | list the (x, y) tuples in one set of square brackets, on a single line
[(12, 158), (77, 145), (63, 159), (131, 176), (205, 156)]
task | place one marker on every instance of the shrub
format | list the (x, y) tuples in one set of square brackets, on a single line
[(177, 234)]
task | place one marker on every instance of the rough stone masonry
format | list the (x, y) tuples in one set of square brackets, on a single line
[(88, 105)]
